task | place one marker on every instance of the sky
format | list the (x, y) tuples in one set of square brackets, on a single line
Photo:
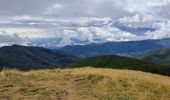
[(72, 22)]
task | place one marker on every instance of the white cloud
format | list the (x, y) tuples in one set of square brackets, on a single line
[(95, 35), (10, 39), (137, 20), (53, 8), (162, 32), (131, 19), (109, 33), (27, 32), (84, 21), (144, 6)]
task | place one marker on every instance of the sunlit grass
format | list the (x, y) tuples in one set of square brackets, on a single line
[(83, 84)]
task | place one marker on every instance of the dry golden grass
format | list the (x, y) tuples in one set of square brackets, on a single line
[(83, 84)]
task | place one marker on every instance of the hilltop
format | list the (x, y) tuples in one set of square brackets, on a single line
[(25, 58), (83, 84), (158, 56), (118, 62)]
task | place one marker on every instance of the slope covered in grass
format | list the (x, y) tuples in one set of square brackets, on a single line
[(26, 58), (117, 62), (159, 56), (83, 84)]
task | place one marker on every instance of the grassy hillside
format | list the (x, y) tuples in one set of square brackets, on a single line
[(83, 84), (118, 62), (159, 56), (25, 58)]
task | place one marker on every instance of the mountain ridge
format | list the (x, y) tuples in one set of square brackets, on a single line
[(23, 57), (118, 62), (158, 56), (127, 48)]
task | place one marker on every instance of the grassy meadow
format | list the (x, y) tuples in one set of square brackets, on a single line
[(83, 84)]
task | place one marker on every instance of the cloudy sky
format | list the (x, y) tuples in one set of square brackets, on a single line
[(66, 22)]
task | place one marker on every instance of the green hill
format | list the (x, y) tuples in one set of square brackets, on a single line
[(158, 56), (25, 58), (83, 84), (118, 62)]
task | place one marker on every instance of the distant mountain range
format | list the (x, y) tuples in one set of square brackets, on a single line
[(119, 48), (26, 58), (158, 56)]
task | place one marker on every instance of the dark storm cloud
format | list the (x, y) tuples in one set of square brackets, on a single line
[(24, 7), (61, 8), (83, 8)]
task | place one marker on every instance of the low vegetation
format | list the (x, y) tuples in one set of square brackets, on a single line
[(117, 62), (158, 56), (83, 84), (28, 58)]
